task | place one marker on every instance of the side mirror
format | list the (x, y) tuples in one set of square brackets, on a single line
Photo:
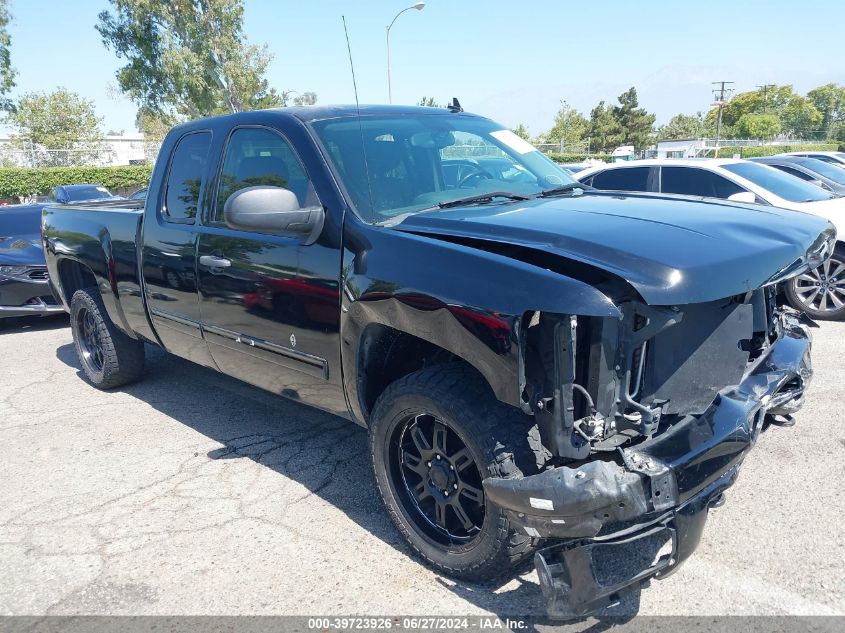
[(265, 209), (743, 196)]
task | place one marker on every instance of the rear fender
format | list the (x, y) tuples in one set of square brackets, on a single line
[(66, 248)]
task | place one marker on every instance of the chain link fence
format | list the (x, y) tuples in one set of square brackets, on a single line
[(103, 154)]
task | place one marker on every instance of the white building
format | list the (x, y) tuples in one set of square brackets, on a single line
[(683, 148), (113, 150)]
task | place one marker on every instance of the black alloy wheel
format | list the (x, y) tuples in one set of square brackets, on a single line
[(109, 357), (90, 343), (442, 483), (435, 435)]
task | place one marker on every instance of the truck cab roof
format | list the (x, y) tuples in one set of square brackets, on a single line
[(318, 113)]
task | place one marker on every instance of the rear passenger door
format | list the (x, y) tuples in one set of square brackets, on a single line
[(694, 181), (169, 251), (624, 179)]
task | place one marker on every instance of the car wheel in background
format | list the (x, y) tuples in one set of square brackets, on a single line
[(820, 292), (109, 357)]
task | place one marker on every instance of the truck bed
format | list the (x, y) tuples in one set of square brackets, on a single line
[(102, 237)]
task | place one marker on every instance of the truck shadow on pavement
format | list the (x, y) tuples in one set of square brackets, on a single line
[(325, 454)]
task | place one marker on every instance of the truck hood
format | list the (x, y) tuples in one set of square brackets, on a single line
[(671, 250), (21, 250)]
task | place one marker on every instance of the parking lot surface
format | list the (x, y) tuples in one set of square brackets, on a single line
[(193, 493)]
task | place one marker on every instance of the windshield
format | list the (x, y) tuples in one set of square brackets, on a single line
[(836, 174), (835, 160), (94, 192), (416, 162), (779, 183)]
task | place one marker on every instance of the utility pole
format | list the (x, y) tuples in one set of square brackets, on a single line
[(765, 90), (721, 94)]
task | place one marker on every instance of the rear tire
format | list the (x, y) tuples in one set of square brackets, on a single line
[(447, 416), (820, 293), (109, 358)]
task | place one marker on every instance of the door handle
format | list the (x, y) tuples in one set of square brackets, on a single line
[(212, 261)]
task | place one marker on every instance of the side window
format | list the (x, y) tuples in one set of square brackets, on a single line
[(187, 177), (623, 179), (690, 181), (793, 172), (53, 195), (258, 156)]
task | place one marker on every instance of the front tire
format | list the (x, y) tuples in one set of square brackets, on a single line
[(820, 292), (434, 436), (109, 358)]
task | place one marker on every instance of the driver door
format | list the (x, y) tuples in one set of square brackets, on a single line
[(270, 305)]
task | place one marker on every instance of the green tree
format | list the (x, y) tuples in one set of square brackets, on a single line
[(760, 126), (155, 125), (570, 127), (829, 100), (798, 115), (7, 73), (685, 126), (429, 102), (305, 99), (58, 120), (800, 118), (187, 58), (522, 132), (637, 124), (604, 130), (837, 132)]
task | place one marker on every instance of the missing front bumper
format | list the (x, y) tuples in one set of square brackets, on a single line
[(663, 485), (580, 577)]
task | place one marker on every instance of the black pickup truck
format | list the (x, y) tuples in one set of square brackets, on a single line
[(544, 370)]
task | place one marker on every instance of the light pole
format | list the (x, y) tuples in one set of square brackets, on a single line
[(419, 6)]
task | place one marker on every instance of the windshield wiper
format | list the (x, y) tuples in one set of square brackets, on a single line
[(572, 186), (481, 197), (478, 198)]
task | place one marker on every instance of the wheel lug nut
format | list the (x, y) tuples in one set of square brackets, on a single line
[(455, 486), (451, 467), (446, 493), (438, 457), (428, 464)]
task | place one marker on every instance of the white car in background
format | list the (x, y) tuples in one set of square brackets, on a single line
[(836, 158), (820, 293)]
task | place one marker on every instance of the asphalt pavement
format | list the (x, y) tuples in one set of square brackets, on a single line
[(192, 493)]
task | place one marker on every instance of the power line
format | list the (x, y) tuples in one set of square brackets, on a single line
[(765, 90), (720, 95)]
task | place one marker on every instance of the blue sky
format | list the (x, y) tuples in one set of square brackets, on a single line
[(512, 61)]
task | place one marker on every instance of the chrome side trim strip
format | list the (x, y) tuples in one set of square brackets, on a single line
[(287, 352), (169, 316)]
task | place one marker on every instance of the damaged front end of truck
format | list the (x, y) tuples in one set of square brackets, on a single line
[(645, 420), (646, 405)]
